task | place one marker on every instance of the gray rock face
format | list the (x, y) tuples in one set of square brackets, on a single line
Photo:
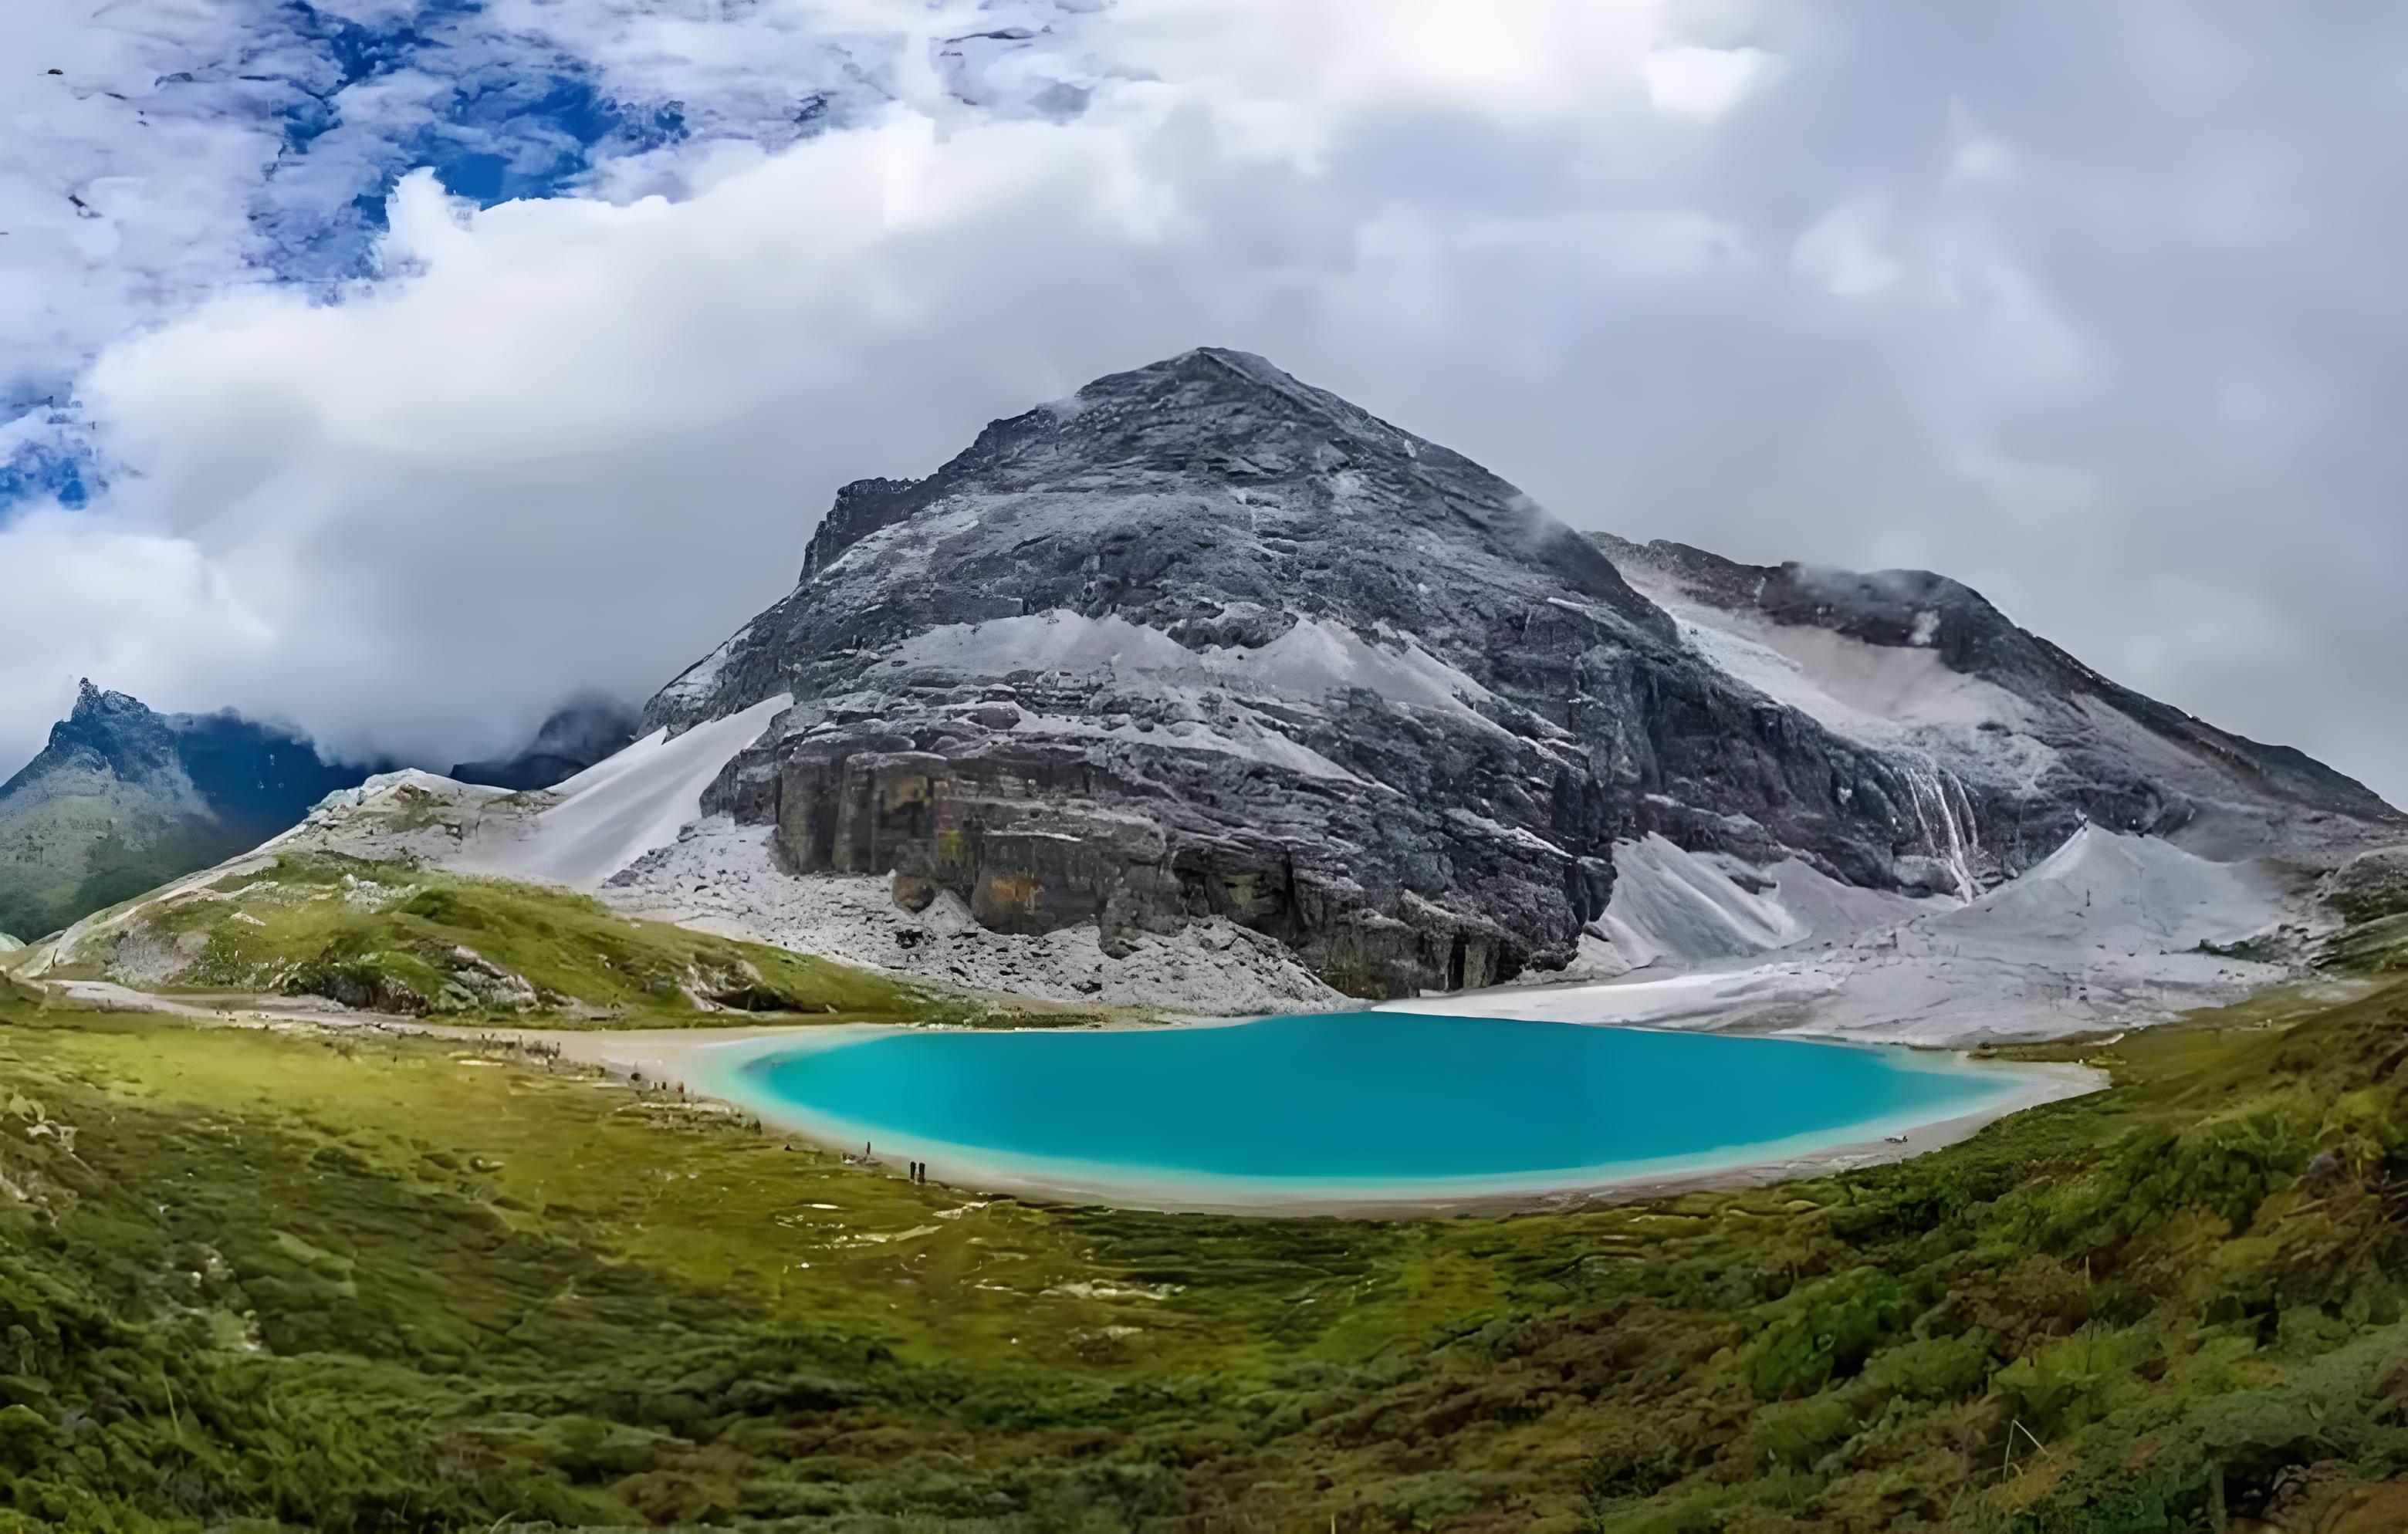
[(2035, 742), (1202, 639), (124, 798)]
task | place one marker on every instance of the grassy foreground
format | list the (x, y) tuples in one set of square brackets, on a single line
[(391, 938), (255, 1280), (75, 854)]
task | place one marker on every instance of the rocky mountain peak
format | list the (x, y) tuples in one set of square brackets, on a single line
[(125, 798), (2144, 765), (94, 706), (1217, 456), (110, 731), (1208, 412), (1203, 642)]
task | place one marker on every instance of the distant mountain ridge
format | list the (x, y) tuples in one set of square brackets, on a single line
[(1203, 647), (124, 798), (1915, 660), (578, 734), (1204, 640)]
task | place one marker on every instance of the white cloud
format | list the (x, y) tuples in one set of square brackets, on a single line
[(133, 610), (108, 197), (1848, 250), (1706, 83), (572, 441), (1519, 61)]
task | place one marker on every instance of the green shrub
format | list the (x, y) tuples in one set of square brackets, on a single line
[(1827, 1331), (2069, 1382)]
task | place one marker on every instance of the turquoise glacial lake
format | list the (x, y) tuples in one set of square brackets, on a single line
[(1382, 1105)]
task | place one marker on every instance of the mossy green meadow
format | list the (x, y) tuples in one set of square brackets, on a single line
[(277, 1278)]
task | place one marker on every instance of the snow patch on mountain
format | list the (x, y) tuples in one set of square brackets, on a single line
[(625, 806), (1308, 662), (1248, 737), (2109, 931), (1678, 908), (1887, 697), (2133, 895)]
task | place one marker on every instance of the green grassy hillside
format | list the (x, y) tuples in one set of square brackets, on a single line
[(123, 799), (396, 939), (263, 1280), (67, 858)]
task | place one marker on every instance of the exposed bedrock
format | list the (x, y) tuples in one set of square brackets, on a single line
[(1202, 640), (1424, 853), (1038, 835)]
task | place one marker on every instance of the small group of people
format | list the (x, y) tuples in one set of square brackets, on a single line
[(869, 1157)]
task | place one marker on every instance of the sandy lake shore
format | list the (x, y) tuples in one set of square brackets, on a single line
[(706, 1062)]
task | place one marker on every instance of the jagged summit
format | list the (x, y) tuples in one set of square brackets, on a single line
[(1212, 411), (1205, 640), (1899, 641), (1219, 456), (123, 798), (111, 730)]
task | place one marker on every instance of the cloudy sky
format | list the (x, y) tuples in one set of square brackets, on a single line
[(396, 367)]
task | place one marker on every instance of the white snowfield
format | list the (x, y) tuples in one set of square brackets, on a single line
[(2107, 931), (1679, 908), (1224, 688), (623, 807), (1310, 660)]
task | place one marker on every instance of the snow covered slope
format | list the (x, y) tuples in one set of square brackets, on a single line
[(2021, 742), (1202, 643), (2110, 930), (623, 807), (1676, 908)]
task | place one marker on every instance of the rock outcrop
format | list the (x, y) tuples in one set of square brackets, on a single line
[(2032, 743), (1202, 640), (124, 798)]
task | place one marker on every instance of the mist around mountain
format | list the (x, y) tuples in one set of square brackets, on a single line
[(1203, 692), (581, 732), (1204, 642), (124, 798)]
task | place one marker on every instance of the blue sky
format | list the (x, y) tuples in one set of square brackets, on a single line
[(297, 121), (397, 366)]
